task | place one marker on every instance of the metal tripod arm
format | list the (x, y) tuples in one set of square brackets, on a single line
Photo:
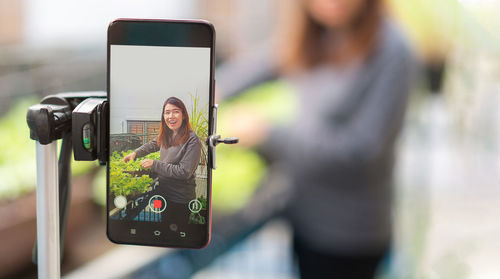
[(47, 211), (49, 121)]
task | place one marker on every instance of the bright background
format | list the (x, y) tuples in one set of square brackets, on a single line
[(447, 178), (142, 78)]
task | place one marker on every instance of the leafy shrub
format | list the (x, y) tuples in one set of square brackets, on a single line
[(124, 183)]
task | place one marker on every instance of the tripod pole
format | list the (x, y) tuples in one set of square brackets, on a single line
[(47, 211)]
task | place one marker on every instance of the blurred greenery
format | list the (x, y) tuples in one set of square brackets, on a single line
[(17, 159), (438, 27), (431, 25), (240, 170), (99, 187), (18, 156), (273, 100), (238, 174)]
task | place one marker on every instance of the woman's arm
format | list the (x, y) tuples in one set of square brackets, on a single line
[(186, 166), (147, 148), (245, 71)]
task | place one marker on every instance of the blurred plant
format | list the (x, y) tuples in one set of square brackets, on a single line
[(18, 156), (240, 170), (99, 187), (273, 100), (431, 25)]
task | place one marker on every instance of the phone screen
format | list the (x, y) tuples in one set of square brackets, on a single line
[(158, 176)]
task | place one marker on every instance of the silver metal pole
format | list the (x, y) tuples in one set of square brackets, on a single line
[(47, 211)]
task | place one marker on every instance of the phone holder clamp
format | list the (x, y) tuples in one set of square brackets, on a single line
[(213, 140), (79, 119)]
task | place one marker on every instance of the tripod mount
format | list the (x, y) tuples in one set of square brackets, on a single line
[(81, 120)]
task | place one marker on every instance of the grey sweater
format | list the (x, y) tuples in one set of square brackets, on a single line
[(339, 150), (176, 168)]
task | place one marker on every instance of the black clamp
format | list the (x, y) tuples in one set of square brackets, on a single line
[(80, 120), (90, 130), (84, 114), (49, 119), (213, 140)]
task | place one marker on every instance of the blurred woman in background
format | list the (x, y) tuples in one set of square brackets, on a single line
[(351, 70)]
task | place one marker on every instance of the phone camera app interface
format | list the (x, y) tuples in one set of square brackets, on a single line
[(159, 98)]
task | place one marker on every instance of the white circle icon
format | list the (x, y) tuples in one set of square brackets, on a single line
[(195, 206), (120, 201), (157, 204)]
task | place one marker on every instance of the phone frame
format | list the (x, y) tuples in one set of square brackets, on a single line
[(161, 32)]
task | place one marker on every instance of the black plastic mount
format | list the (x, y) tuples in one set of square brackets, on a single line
[(80, 120), (84, 114), (90, 131), (213, 139), (49, 119)]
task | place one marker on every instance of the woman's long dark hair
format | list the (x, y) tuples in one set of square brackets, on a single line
[(300, 46), (165, 137)]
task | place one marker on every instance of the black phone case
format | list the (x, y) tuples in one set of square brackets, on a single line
[(149, 32)]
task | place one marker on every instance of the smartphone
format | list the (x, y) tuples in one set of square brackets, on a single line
[(160, 80)]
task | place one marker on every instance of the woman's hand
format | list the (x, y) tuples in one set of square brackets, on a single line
[(247, 124), (147, 163), (129, 157)]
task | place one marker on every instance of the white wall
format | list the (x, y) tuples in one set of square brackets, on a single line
[(143, 77)]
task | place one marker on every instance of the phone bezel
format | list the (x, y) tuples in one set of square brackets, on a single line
[(160, 32)]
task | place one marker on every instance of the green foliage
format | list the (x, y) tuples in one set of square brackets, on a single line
[(196, 218), (18, 158), (199, 122), (199, 117), (124, 183), (237, 176), (203, 201), (432, 26), (274, 101), (240, 170), (99, 187)]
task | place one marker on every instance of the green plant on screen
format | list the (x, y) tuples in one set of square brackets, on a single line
[(126, 184), (199, 122)]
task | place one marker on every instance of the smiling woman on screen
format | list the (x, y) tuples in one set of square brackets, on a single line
[(180, 152)]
